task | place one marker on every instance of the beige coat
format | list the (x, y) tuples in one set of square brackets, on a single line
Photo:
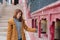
[(12, 32)]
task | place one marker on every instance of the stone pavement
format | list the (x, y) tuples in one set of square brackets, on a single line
[(2, 37)]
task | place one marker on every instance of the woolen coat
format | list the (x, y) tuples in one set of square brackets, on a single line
[(12, 33)]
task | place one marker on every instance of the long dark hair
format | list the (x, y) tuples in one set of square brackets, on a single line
[(15, 14)]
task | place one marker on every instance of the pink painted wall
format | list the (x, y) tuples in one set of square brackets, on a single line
[(50, 14)]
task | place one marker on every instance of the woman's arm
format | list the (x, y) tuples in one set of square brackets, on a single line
[(9, 32), (29, 29)]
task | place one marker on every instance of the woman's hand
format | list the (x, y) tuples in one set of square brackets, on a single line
[(36, 30)]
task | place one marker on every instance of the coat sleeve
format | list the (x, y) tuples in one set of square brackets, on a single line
[(29, 29), (9, 31)]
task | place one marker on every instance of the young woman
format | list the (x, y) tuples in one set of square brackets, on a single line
[(16, 26)]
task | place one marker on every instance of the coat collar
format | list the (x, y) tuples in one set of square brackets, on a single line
[(12, 19)]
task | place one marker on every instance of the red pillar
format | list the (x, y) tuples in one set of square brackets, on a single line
[(39, 27)]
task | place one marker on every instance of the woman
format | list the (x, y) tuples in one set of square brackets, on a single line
[(16, 26)]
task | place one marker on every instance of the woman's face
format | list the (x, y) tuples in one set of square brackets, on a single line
[(18, 15)]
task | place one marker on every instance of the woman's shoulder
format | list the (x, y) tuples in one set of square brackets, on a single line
[(10, 20)]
